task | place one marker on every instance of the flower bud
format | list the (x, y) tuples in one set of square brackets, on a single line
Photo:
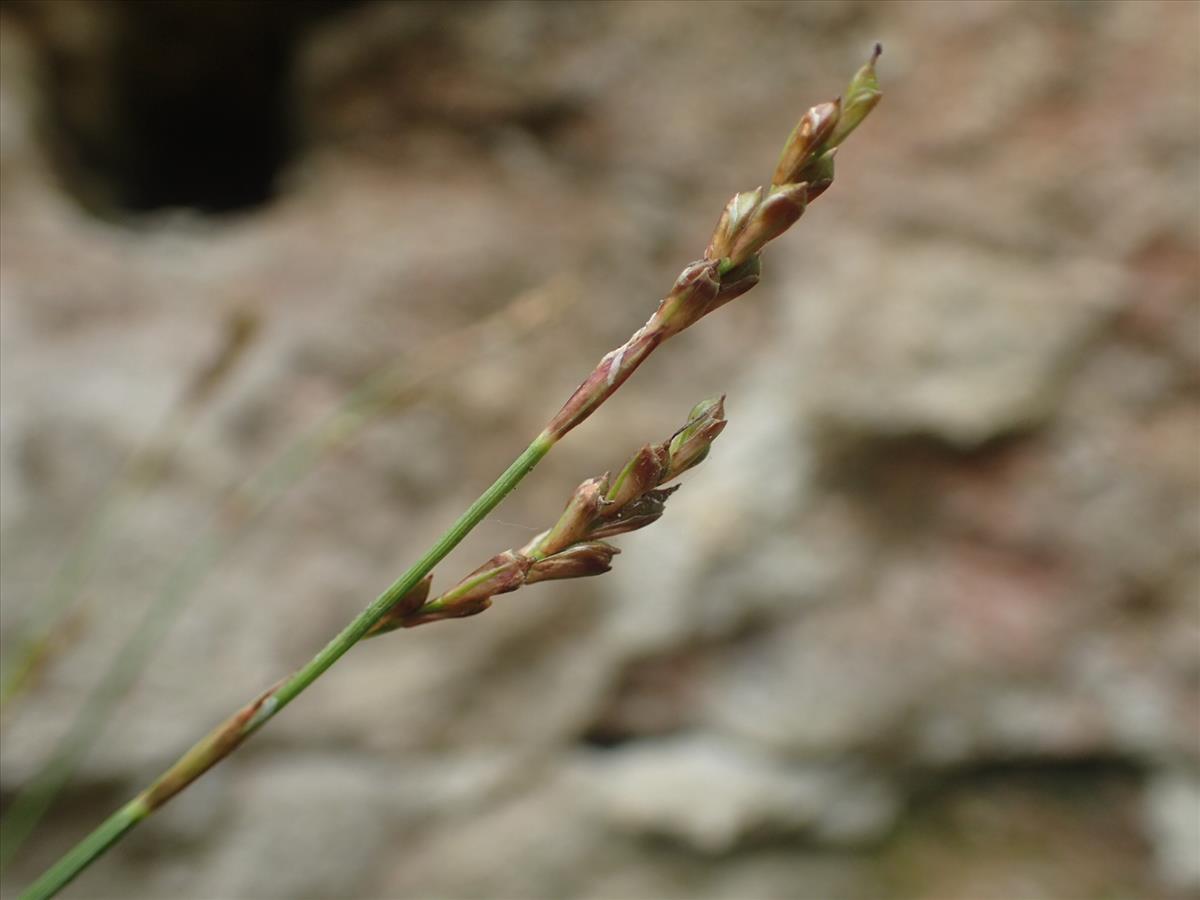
[(862, 96), (733, 219), (639, 513), (645, 471), (502, 573), (691, 443), (572, 526), (806, 141), (771, 218), (578, 561)]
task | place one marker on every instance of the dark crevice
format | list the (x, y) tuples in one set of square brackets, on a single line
[(1066, 777), (175, 104), (205, 121)]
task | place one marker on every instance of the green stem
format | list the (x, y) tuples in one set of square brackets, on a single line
[(89, 849), (209, 751)]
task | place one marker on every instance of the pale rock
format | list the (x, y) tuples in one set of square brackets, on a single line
[(1173, 821), (714, 795)]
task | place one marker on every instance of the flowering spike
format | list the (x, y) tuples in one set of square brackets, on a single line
[(750, 219), (645, 471), (579, 561)]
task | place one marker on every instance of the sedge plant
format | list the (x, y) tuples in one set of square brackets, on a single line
[(599, 508)]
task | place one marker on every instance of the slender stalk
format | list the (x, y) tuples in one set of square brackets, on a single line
[(90, 848)]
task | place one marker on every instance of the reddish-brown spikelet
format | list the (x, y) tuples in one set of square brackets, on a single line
[(579, 561)]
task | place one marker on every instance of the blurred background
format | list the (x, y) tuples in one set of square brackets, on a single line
[(926, 624)]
